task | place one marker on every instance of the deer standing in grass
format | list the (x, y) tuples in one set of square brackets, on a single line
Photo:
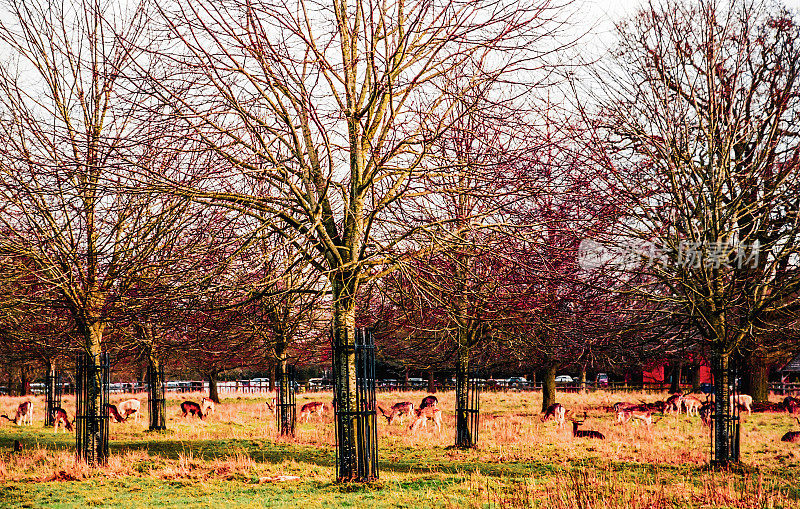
[(585, 433), (398, 411), (691, 405), (24, 414), (423, 415), (674, 403), (60, 418), (792, 436), (113, 412), (626, 414), (314, 407), (190, 407), (556, 411), (429, 401), (208, 406), (130, 407), (745, 401)]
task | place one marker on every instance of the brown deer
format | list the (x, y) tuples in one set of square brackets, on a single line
[(24, 414), (626, 414), (314, 407), (130, 407), (792, 436), (190, 407), (429, 401), (398, 411), (705, 412), (674, 403), (423, 415), (585, 433), (60, 418), (556, 411), (113, 412)]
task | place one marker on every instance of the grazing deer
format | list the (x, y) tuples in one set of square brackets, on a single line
[(691, 404), (745, 402), (705, 413), (557, 412), (114, 413), (585, 433), (60, 418), (190, 407), (623, 405), (792, 436), (423, 415), (24, 414), (626, 414), (791, 404), (429, 401), (398, 411), (208, 406), (314, 407), (130, 407), (674, 403)]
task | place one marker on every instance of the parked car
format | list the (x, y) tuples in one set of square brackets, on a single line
[(517, 381), (602, 380), (564, 379)]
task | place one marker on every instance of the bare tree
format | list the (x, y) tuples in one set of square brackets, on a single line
[(701, 159)]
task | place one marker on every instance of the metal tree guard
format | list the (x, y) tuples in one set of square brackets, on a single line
[(725, 418), (156, 397), (286, 414), (467, 418), (91, 414), (53, 387), (356, 455)]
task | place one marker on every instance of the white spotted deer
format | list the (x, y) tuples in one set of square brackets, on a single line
[(130, 407), (309, 409), (24, 414), (625, 414), (399, 411), (691, 404), (423, 415)]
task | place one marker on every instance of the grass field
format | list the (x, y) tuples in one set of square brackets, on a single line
[(234, 459)]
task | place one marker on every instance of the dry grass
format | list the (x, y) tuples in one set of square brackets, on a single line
[(520, 461)]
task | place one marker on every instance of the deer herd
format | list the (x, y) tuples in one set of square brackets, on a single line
[(428, 410)]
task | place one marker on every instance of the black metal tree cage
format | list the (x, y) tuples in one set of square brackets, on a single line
[(725, 429), (467, 412), (286, 404), (53, 387), (356, 428), (156, 397), (91, 414)]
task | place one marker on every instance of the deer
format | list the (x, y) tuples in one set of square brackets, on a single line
[(190, 407), (398, 411), (626, 414), (429, 401), (674, 403), (792, 436), (208, 406), (791, 404), (130, 407), (585, 433), (113, 412), (423, 415), (24, 414), (314, 407), (705, 412), (557, 412), (691, 404), (60, 418), (744, 401)]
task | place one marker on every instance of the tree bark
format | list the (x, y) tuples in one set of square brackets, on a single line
[(156, 396), (464, 437), (677, 372), (431, 382), (94, 447), (724, 447), (286, 414), (213, 392), (758, 370), (583, 380), (696, 378), (548, 386)]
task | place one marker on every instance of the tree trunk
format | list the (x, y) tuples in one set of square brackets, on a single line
[(24, 383), (583, 380), (548, 386), (405, 378), (463, 434), (50, 394), (725, 445), (213, 392), (275, 376), (431, 382), (94, 441), (156, 397), (286, 414), (677, 372), (758, 377), (696, 378)]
